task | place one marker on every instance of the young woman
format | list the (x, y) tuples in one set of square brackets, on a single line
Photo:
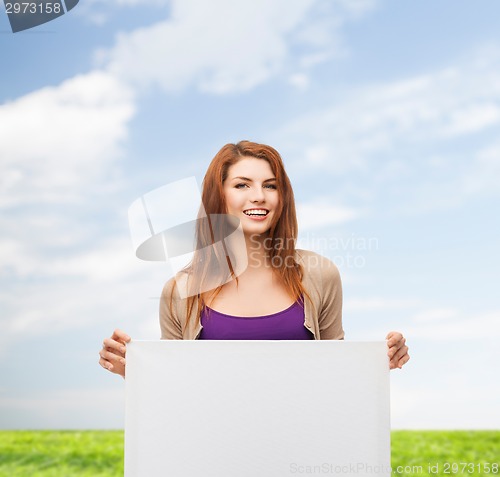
[(282, 293)]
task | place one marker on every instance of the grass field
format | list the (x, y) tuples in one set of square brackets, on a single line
[(445, 452), (100, 453), (61, 453)]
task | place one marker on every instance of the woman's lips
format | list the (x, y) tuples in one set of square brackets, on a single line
[(257, 217)]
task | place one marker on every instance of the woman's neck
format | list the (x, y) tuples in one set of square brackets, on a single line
[(257, 252)]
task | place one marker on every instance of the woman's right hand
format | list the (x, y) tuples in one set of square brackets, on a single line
[(112, 354)]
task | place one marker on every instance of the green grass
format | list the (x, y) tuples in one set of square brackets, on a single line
[(61, 453), (100, 453), (441, 449)]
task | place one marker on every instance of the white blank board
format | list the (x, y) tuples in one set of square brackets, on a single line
[(256, 408)]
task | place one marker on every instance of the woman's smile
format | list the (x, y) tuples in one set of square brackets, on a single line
[(251, 194), (256, 214)]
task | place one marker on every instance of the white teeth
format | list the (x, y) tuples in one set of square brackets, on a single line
[(255, 212)]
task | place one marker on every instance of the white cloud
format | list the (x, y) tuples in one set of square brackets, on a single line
[(100, 4), (101, 12), (436, 315), (59, 140), (193, 46), (224, 47), (481, 177), (377, 118), (299, 81), (378, 303), (426, 325), (139, 2), (472, 118), (457, 402), (111, 261), (63, 304), (59, 151), (357, 8), (387, 135), (67, 408), (444, 325), (319, 213), (461, 328)]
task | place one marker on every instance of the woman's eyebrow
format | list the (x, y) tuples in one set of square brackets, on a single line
[(250, 180)]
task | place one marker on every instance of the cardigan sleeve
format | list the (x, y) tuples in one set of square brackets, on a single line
[(330, 314), (170, 325)]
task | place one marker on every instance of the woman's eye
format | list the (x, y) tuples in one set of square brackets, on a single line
[(270, 186)]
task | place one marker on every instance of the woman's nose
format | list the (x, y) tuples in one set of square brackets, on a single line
[(258, 195)]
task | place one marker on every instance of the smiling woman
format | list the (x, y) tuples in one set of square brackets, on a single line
[(250, 196), (283, 293)]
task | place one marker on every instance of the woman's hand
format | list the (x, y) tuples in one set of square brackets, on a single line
[(112, 354), (398, 351)]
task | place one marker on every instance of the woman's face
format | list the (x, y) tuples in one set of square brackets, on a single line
[(251, 194)]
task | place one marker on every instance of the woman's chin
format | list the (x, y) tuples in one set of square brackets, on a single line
[(256, 233)]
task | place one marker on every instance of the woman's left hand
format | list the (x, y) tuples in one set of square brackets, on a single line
[(398, 351)]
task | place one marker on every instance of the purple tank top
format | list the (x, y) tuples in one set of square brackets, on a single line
[(284, 325)]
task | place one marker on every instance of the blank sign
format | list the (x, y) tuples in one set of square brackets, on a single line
[(257, 408)]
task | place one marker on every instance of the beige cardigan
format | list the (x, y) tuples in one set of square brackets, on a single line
[(321, 280)]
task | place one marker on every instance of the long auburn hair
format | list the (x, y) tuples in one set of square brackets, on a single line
[(282, 234)]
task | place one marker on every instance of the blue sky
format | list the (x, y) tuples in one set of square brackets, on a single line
[(386, 114)]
